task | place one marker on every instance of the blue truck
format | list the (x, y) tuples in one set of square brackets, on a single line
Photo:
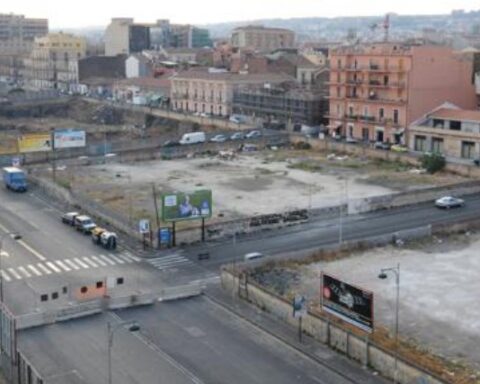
[(15, 179)]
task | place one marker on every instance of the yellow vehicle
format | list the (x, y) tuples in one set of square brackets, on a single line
[(106, 239)]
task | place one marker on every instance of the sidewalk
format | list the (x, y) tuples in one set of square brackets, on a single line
[(345, 368)]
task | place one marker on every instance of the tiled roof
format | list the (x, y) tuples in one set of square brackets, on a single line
[(456, 114), (234, 77)]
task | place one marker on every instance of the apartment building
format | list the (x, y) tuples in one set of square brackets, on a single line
[(53, 63), (17, 34), (448, 130), (212, 92), (189, 36), (262, 39), (123, 37), (376, 91)]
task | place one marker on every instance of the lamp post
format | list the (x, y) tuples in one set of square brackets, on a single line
[(383, 275), (111, 329)]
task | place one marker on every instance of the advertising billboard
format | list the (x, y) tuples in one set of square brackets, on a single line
[(182, 206), (35, 142), (352, 304), (69, 138), (8, 145)]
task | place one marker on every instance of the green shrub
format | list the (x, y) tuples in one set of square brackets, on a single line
[(433, 162)]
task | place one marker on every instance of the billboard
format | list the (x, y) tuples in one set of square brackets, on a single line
[(352, 304), (35, 142), (69, 138), (182, 206)]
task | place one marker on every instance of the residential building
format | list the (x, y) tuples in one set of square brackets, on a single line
[(138, 65), (17, 34), (189, 36), (123, 36), (53, 63), (144, 89), (262, 39), (212, 92), (378, 90)]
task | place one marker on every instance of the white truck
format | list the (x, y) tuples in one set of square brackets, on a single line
[(193, 138)]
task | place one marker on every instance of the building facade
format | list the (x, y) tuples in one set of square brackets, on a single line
[(123, 37), (377, 90), (262, 39), (189, 36), (212, 93), (17, 34), (447, 130), (53, 63)]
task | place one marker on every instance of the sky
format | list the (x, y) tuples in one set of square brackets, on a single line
[(87, 13)]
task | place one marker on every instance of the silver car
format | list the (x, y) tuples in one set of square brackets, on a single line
[(448, 202)]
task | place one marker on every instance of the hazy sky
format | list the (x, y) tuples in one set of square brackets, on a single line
[(64, 13)]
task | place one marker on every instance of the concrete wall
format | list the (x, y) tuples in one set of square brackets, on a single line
[(357, 348)]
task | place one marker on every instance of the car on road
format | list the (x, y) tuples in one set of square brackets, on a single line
[(253, 256), (218, 139), (253, 134), (237, 136), (84, 224), (448, 202), (69, 218), (382, 145)]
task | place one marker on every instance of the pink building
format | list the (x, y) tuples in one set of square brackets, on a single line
[(377, 90)]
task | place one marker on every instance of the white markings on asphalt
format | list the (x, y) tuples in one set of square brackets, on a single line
[(117, 259), (107, 260), (63, 266), (24, 271), (31, 250), (53, 266), (4, 254), (34, 270), (125, 258), (5, 276), (72, 264), (90, 262), (102, 263), (14, 273), (44, 268), (81, 263), (165, 262)]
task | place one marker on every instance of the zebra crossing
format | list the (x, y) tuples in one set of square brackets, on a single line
[(51, 267), (170, 261)]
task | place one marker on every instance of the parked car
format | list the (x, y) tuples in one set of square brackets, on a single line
[(253, 256), (69, 218), (399, 148), (249, 148), (193, 138), (382, 145), (218, 139), (448, 202), (170, 143), (253, 134), (237, 136), (84, 224)]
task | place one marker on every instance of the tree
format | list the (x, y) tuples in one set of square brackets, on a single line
[(433, 162)]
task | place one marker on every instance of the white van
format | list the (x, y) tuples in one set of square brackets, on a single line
[(193, 138), (253, 256)]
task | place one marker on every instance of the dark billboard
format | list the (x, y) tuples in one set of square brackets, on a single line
[(352, 304)]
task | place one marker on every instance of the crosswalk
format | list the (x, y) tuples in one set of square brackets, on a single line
[(67, 265), (170, 261)]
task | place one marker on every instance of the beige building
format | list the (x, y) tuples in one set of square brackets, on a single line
[(448, 130), (17, 34), (212, 93), (53, 63), (263, 39)]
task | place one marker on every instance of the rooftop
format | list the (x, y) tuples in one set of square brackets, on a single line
[(456, 114), (261, 28), (233, 77)]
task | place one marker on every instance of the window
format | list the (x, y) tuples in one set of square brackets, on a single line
[(420, 143), (99, 284), (120, 281), (385, 80), (54, 295), (437, 123), (395, 116), (350, 111), (468, 149), (44, 298), (83, 290), (64, 290), (437, 145), (338, 91), (365, 134), (339, 63), (455, 125), (381, 113)]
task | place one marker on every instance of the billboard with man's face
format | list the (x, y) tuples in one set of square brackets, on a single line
[(180, 206)]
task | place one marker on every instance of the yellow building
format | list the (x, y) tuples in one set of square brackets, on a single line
[(53, 63)]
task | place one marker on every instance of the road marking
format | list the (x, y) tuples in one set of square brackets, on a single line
[(53, 266), (117, 259), (129, 255), (90, 262), (72, 264), (101, 262), (126, 258), (107, 259), (63, 266), (44, 269), (24, 271), (33, 251), (14, 273), (81, 263), (34, 270), (4, 254), (5, 276)]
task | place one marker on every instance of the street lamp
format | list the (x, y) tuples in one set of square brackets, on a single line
[(132, 327), (384, 275)]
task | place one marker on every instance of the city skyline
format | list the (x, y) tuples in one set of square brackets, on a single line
[(201, 13)]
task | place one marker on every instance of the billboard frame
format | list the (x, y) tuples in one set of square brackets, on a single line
[(172, 202), (67, 144)]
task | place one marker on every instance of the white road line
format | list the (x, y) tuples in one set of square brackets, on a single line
[(53, 266), (116, 258), (5, 276), (63, 266), (101, 262), (170, 262), (4, 254), (81, 263), (170, 257), (125, 258), (107, 259), (33, 251), (44, 268), (34, 270), (24, 271), (90, 262), (130, 256), (72, 264), (14, 273)]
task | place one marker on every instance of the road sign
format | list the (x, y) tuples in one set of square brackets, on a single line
[(144, 226), (164, 236), (299, 305)]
